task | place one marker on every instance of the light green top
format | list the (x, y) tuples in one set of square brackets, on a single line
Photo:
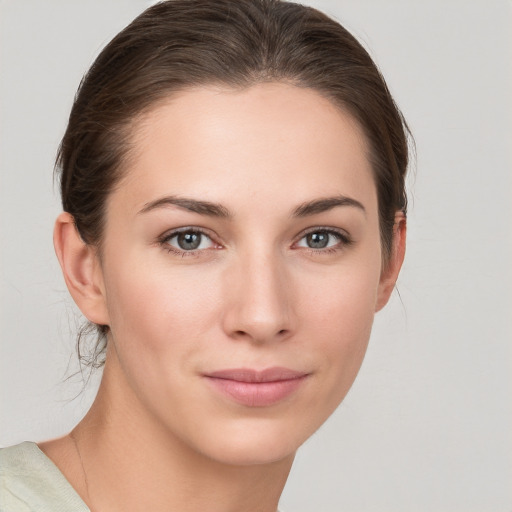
[(30, 482)]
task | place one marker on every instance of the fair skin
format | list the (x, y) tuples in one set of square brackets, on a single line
[(278, 278)]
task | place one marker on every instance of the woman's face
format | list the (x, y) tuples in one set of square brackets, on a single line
[(241, 268)]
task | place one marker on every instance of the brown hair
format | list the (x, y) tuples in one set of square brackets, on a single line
[(177, 44)]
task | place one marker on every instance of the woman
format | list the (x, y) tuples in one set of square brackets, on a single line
[(232, 180)]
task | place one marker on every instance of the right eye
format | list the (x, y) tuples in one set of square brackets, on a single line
[(186, 241)]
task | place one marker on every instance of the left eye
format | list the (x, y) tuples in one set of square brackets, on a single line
[(319, 240), (190, 241)]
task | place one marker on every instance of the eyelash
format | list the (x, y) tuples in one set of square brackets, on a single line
[(344, 240)]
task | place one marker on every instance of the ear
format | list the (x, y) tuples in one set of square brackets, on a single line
[(81, 269), (390, 272)]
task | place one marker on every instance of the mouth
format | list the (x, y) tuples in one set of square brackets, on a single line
[(256, 388)]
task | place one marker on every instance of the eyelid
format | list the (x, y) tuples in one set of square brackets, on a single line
[(327, 229), (184, 229)]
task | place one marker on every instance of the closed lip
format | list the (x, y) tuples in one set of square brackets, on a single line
[(256, 388), (274, 374)]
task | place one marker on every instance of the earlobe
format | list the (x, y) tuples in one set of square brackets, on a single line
[(392, 269), (81, 270)]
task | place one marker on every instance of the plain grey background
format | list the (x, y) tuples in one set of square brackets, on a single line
[(428, 424)]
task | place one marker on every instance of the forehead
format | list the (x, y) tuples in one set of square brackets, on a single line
[(223, 144)]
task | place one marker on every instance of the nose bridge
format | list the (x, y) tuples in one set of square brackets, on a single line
[(260, 307)]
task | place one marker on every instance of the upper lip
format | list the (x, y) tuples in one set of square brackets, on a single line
[(274, 374)]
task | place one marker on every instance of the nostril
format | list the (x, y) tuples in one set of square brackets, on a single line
[(240, 334)]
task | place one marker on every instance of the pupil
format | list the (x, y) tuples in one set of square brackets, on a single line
[(317, 240), (189, 241)]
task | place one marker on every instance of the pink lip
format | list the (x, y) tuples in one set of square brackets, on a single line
[(255, 388)]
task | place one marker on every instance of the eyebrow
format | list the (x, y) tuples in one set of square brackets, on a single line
[(217, 210), (192, 205), (325, 204)]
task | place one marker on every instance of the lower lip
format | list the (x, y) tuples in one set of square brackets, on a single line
[(257, 394)]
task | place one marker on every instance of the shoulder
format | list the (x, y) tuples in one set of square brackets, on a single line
[(29, 481)]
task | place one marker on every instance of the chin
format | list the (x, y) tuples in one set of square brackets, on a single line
[(255, 442), (239, 454)]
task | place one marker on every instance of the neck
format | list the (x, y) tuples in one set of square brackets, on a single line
[(131, 462)]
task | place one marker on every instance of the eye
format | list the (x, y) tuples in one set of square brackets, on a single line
[(323, 239), (189, 240)]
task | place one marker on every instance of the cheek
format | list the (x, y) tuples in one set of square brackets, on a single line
[(160, 328), (344, 326), (158, 311), (339, 320), (343, 299)]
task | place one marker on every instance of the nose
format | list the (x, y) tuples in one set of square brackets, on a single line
[(259, 300)]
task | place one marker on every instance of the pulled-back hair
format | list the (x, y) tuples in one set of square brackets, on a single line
[(178, 44)]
